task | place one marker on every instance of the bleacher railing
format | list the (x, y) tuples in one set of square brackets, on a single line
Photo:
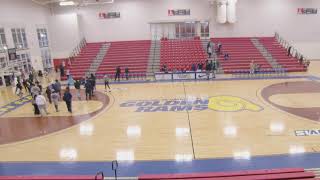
[(134, 76), (181, 36), (284, 43), (78, 48), (262, 73)]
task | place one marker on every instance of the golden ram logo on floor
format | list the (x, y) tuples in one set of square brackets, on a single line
[(216, 103), (232, 104)]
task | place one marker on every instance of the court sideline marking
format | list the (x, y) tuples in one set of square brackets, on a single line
[(190, 129)]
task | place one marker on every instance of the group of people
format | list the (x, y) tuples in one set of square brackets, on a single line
[(213, 48), (40, 96), (118, 73)]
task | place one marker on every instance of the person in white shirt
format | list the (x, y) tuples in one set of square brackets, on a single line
[(42, 104), (106, 82)]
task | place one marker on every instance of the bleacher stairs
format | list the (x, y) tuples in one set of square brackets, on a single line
[(154, 57), (265, 53), (290, 63), (98, 59)]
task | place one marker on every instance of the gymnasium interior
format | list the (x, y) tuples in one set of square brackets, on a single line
[(159, 89)]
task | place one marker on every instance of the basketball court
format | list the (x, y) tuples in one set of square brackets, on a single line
[(179, 121), (199, 89)]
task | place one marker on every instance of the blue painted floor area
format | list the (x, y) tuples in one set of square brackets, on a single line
[(307, 160)]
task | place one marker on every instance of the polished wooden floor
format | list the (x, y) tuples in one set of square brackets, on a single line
[(237, 121)]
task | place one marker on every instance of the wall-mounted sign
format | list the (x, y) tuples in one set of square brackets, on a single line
[(179, 12), (310, 132), (12, 54), (307, 11), (109, 15)]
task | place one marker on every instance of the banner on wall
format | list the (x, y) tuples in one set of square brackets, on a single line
[(307, 11), (109, 15), (179, 12)]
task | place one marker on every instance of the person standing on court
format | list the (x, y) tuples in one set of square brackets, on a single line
[(19, 89), (35, 90), (77, 86), (67, 97), (118, 72), (42, 104), (48, 92), (57, 87), (25, 85), (35, 106), (126, 70), (55, 99), (88, 86), (93, 81), (39, 86), (106, 82)]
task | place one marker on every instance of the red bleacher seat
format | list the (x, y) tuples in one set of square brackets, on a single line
[(131, 54), (291, 64), (181, 54), (241, 52), (81, 63)]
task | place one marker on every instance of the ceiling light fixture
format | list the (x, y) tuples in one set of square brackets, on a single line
[(67, 3)]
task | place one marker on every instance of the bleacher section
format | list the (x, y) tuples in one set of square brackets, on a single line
[(241, 52), (181, 54), (131, 54), (82, 62), (291, 64), (288, 173)]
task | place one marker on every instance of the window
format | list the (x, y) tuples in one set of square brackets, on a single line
[(22, 62), (43, 38), (3, 62), (3, 41), (46, 58), (204, 29), (185, 30), (19, 38)]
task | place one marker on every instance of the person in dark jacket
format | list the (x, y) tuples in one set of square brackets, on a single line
[(88, 87), (19, 89), (126, 70), (118, 72), (48, 92), (289, 50), (67, 97), (93, 81), (25, 85), (36, 108), (57, 87), (193, 67), (61, 70)]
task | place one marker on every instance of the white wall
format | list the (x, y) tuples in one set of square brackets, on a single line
[(65, 34), (255, 18), (24, 14)]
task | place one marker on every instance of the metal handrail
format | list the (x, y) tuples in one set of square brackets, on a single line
[(294, 52)]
